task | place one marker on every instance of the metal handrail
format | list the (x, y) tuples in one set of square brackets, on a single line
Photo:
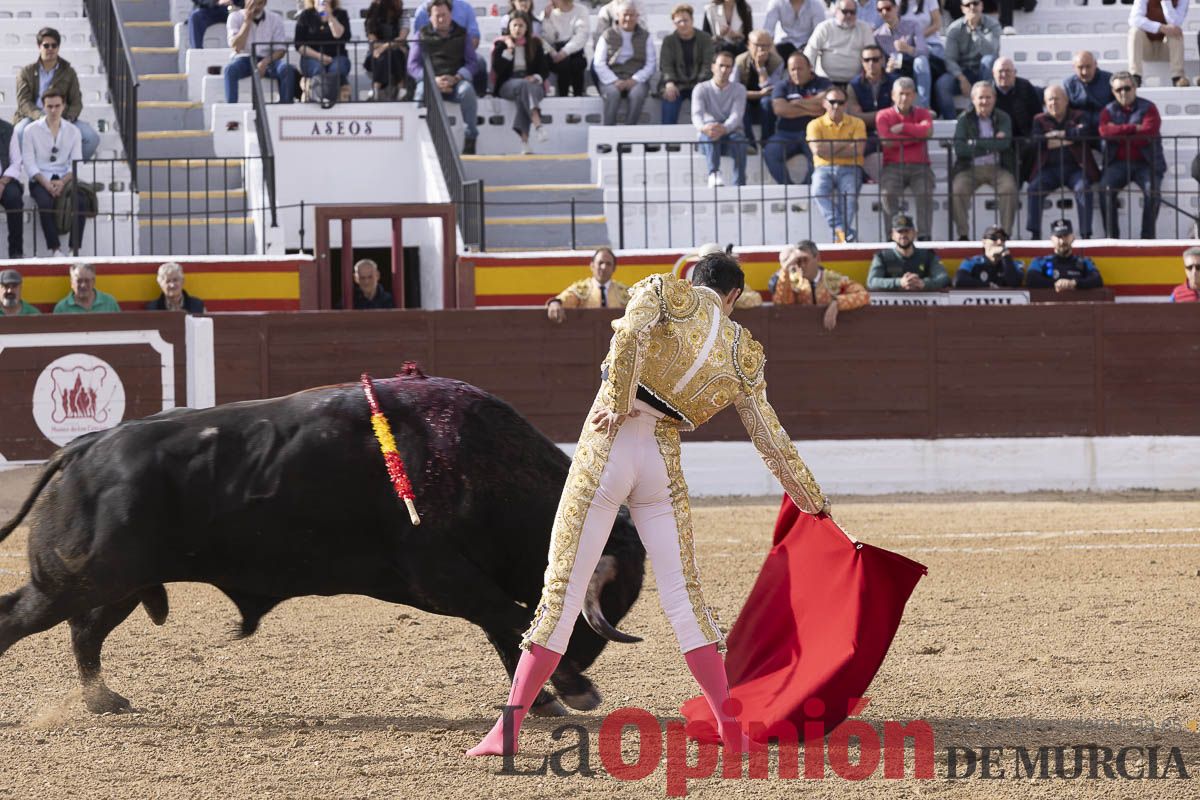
[(467, 196), (109, 30), (266, 148)]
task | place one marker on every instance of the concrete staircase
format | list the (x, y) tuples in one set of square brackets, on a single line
[(186, 205), (528, 201)]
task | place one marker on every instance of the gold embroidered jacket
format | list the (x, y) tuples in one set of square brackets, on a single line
[(675, 342), (830, 286), (585, 293)]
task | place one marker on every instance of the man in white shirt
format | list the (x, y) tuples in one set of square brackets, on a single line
[(718, 106), (51, 146), (13, 197), (624, 61), (796, 21), (251, 26), (836, 43), (1156, 34)]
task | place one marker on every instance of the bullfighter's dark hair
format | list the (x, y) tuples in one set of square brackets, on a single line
[(720, 272)]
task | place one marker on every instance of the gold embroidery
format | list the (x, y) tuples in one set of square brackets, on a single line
[(627, 350), (666, 433), (778, 452), (583, 479)]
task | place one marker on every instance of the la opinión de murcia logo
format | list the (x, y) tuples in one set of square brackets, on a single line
[(77, 394)]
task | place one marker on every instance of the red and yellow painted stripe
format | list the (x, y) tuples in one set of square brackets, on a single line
[(243, 283), (523, 279)]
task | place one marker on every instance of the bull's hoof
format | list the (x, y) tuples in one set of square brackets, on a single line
[(552, 708), (102, 700), (584, 701)]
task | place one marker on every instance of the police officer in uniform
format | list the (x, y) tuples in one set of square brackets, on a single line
[(904, 267), (995, 268), (1063, 271)]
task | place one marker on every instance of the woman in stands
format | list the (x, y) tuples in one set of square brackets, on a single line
[(928, 14), (520, 65), (565, 27), (388, 58), (729, 22), (522, 7), (322, 30)]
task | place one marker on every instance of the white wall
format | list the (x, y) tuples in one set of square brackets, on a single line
[(328, 157)]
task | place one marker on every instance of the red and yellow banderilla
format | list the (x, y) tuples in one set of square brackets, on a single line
[(387, 446)]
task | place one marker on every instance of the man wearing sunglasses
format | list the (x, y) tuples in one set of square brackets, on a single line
[(50, 72), (903, 41), (834, 47), (972, 46), (51, 146), (1133, 153), (994, 268), (837, 141), (1189, 290)]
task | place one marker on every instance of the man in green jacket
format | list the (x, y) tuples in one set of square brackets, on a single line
[(903, 267), (983, 150), (52, 72), (84, 297), (685, 62), (11, 304)]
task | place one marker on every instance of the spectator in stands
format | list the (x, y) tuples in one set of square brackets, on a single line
[(453, 58), (368, 291), (521, 67), (1022, 101), (51, 73), (904, 267), (1063, 270), (927, 14), (802, 280), (1156, 34), (173, 296), (322, 30), (972, 46), (1062, 158), (624, 62), (868, 13), (463, 15), (12, 197), (904, 130), (760, 70), (524, 8), (795, 102), (84, 297), (792, 22), (995, 268), (1089, 89), (51, 145), (717, 108), (255, 25), (1133, 152), (729, 22), (903, 42), (1186, 292), (838, 142), (11, 304), (871, 90), (205, 14), (387, 57), (387, 60), (983, 150), (597, 291), (835, 45), (565, 25), (685, 62), (609, 16)]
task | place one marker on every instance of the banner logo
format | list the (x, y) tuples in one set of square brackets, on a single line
[(77, 394)]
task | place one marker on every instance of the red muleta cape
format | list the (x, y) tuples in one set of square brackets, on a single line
[(817, 623)]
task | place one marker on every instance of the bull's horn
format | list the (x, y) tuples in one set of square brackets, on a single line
[(605, 571)]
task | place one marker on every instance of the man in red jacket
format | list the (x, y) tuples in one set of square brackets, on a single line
[(904, 131), (1133, 153), (1189, 290)]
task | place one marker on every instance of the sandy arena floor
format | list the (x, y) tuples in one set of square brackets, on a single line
[(1044, 620)]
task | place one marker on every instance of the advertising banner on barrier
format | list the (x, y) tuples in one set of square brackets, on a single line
[(980, 297)]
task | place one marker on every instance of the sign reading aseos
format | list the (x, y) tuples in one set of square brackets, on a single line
[(77, 394), (341, 128)]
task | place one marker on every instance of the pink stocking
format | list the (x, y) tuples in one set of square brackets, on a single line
[(708, 668), (533, 671)]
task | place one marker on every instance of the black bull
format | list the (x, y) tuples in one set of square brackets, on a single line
[(273, 499)]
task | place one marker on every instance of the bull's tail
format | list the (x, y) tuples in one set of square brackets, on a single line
[(53, 466)]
